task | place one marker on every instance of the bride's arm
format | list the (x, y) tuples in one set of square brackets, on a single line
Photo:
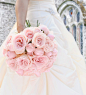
[(21, 12)]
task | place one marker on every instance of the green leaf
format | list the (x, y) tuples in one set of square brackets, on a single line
[(28, 23), (38, 23)]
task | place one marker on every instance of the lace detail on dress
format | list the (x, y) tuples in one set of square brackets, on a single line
[(51, 11)]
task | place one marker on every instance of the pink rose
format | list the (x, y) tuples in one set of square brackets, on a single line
[(37, 30), (49, 54), (49, 45), (39, 52), (51, 61), (41, 61), (30, 47), (20, 72), (12, 64), (31, 71), (23, 62), (9, 54), (19, 43), (4, 52), (10, 47), (8, 43), (39, 40), (9, 39), (55, 52), (51, 36), (49, 65), (28, 33), (44, 29), (28, 73), (29, 54)]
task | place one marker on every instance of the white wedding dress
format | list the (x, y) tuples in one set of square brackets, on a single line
[(68, 74)]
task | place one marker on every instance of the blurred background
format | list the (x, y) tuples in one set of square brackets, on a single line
[(72, 12)]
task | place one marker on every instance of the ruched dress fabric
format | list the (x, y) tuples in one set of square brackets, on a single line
[(67, 75)]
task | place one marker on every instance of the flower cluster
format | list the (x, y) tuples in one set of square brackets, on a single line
[(31, 52)]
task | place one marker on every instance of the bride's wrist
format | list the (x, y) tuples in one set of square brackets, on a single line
[(20, 27)]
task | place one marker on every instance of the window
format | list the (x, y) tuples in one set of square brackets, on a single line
[(68, 28), (71, 12), (64, 19), (78, 16), (81, 38), (74, 32)]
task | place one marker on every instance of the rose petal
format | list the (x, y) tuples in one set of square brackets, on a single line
[(39, 52), (44, 29), (20, 72), (39, 40), (19, 43)]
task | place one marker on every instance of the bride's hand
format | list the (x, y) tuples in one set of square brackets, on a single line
[(21, 8), (20, 28)]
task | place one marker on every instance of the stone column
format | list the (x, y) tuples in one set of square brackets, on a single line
[(7, 18), (84, 43)]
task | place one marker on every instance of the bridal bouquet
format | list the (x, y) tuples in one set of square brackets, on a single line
[(31, 52)]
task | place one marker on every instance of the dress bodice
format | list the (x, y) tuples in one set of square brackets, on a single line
[(41, 4), (40, 8)]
